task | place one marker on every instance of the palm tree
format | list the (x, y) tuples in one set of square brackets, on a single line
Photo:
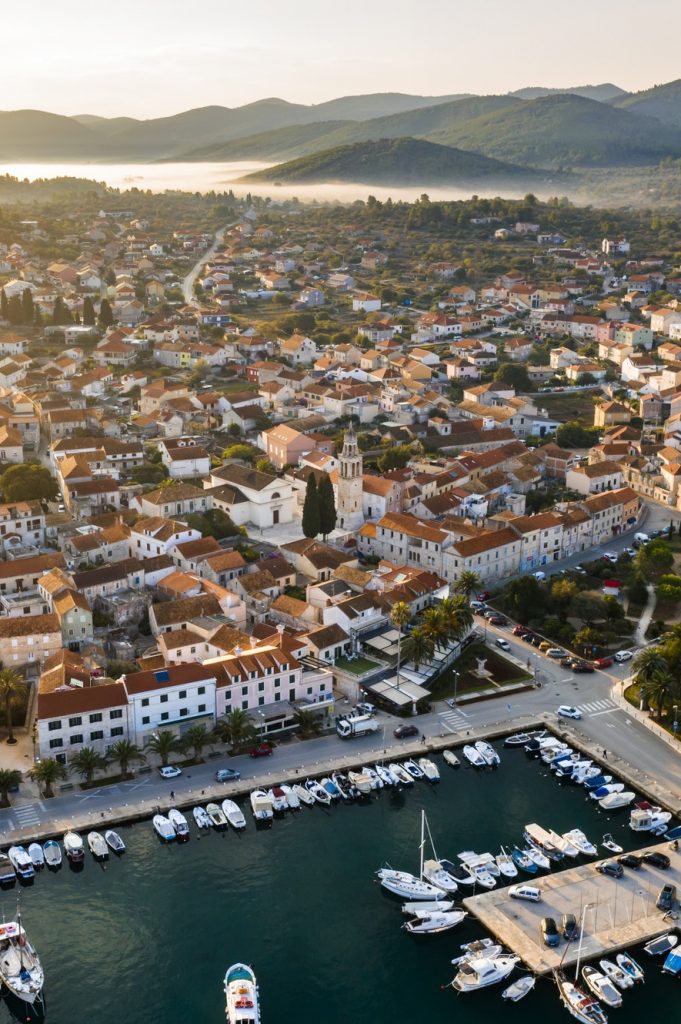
[(195, 739), (126, 753), (86, 762), (419, 647), (10, 681), (46, 773), (658, 689), (457, 614), (648, 664), (163, 744), (237, 728), (468, 583), (308, 723), (400, 615), (434, 625), (9, 779)]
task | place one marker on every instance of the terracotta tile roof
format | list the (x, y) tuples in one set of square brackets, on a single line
[(169, 612), (77, 700), (30, 625)]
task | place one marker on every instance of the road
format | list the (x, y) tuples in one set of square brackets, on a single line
[(188, 281)]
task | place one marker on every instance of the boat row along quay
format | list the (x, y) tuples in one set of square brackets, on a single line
[(618, 913)]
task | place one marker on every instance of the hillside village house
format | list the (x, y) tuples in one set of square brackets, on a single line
[(594, 478), (29, 640), (71, 717), (284, 445), (249, 496)]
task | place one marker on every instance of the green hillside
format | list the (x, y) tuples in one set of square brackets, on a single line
[(34, 134), (604, 93), (396, 162), (662, 101)]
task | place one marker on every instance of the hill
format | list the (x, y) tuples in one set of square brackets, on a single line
[(568, 131), (396, 162), (662, 102), (605, 93), (372, 105), (36, 135)]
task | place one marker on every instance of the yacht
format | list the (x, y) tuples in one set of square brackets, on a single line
[(630, 967), (304, 795), (278, 798), (291, 798), (201, 817), (233, 814), (616, 974), (114, 841), (578, 839), (401, 774), (73, 847), (488, 752), (474, 756), (317, 791), (261, 805), (20, 967), (21, 862), (579, 1003), (411, 887), (241, 995), (433, 922), (602, 987), (451, 758), (505, 864), (361, 781), (483, 971), (164, 828), (97, 846), (37, 855), (217, 818), (52, 851), (613, 801), (646, 818), (180, 825)]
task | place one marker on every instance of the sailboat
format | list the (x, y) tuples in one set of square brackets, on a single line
[(241, 995), (411, 887), (576, 1001), (20, 967)]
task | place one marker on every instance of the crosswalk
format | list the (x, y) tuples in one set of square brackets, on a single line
[(27, 814), (454, 719), (597, 707)]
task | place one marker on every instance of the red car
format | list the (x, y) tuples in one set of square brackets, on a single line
[(261, 750), (483, 596), (603, 662), (519, 630)]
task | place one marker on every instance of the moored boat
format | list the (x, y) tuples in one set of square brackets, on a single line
[(661, 945), (278, 798), (20, 967), (435, 922), (419, 909), (483, 971), (331, 788), (180, 825), (597, 781), (435, 873), (647, 818), (539, 859), (385, 775), (97, 846), (618, 976), (506, 865), (474, 757), (451, 758), (630, 967), (114, 841), (523, 861), (163, 827), (476, 948), (672, 963), (261, 805), (429, 769), (37, 855), (217, 818), (234, 815), (292, 798), (241, 995), (304, 795), (605, 789), (408, 886), (52, 851), (579, 1003), (401, 774), (346, 788), (519, 989), (578, 839), (21, 862), (488, 753), (73, 847), (601, 986), (361, 781), (201, 817), (613, 801), (376, 780), (317, 791), (413, 769), (520, 739), (608, 843)]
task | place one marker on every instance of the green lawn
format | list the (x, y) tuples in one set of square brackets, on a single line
[(577, 406), (358, 666), (503, 673)]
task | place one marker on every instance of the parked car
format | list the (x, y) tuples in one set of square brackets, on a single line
[(611, 868), (261, 750), (549, 933), (227, 775), (170, 771), (365, 708), (581, 666), (545, 645), (603, 662), (657, 859), (555, 652), (403, 731), (497, 620), (579, 569), (623, 656), (525, 892), (483, 596), (519, 631), (529, 638), (566, 711), (540, 576), (630, 860), (503, 644), (609, 556), (569, 927), (665, 898), (631, 552), (477, 606)]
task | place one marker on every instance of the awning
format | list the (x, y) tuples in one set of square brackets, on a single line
[(408, 692)]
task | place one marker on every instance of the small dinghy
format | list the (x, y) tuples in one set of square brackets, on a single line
[(630, 967), (52, 851), (402, 776), (523, 861), (661, 945), (291, 798), (234, 815), (318, 792), (73, 847), (608, 843), (180, 825), (616, 974), (434, 923), (114, 841), (429, 769), (451, 758), (478, 947), (217, 818), (474, 757), (37, 855), (488, 752), (331, 788), (162, 826), (432, 906), (97, 846), (601, 987), (304, 795), (519, 989), (278, 798), (413, 769), (201, 817)]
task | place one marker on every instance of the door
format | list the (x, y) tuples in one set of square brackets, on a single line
[(275, 517)]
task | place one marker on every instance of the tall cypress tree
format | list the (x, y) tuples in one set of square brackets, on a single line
[(327, 506), (27, 306), (15, 312), (3, 304), (311, 524), (89, 317), (105, 315)]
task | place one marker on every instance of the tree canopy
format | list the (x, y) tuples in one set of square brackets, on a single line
[(28, 482)]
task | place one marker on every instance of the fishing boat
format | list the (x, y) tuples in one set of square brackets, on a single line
[(376, 780), (602, 987), (483, 971), (402, 776), (317, 791), (579, 1003), (434, 922), (488, 752), (519, 989), (436, 874), (21, 862), (234, 815), (618, 976), (20, 967), (451, 758), (97, 846), (164, 828), (201, 817), (217, 818), (241, 996), (114, 841), (411, 887), (597, 781), (261, 805), (347, 790), (476, 948), (613, 801), (331, 788), (52, 851), (672, 964), (35, 852), (578, 839), (474, 757), (413, 769), (608, 843), (429, 769), (427, 907), (278, 798), (542, 840), (506, 865), (630, 967), (481, 866), (647, 818), (608, 787), (522, 861), (73, 847), (385, 775), (661, 945), (180, 825), (304, 795), (292, 799), (361, 781), (538, 858)]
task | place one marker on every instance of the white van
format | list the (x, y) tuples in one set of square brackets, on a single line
[(642, 538), (525, 892), (541, 576)]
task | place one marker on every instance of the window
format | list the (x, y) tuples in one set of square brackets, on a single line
[(98, 734), (165, 715), (292, 693), (116, 714), (200, 690), (97, 717), (145, 719), (202, 707), (56, 743), (291, 680), (53, 726), (244, 705), (164, 698), (76, 720), (277, 696), (261, 687), (244, 691), (277, 682), (118, 731), (184, 712), (145, 702), (76, 738), (182, 694)]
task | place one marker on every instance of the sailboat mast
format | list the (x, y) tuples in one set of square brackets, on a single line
[(423, 841), (581, 936), (430, 836)]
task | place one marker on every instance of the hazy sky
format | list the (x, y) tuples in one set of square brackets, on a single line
[(147, 58)]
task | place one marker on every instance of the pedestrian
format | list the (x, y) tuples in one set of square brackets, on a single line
[(172, 794), (605, 753), (423, 738)]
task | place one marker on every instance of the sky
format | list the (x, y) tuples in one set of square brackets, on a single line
[(149, 58)]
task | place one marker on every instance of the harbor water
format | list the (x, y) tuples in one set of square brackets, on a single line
[(148, 937)]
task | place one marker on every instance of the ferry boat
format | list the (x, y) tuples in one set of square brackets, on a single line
[(20, 968), (241, 995)]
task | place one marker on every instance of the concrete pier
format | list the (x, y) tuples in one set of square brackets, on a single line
[(621, 912)]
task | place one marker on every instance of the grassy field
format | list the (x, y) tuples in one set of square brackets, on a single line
[(502, 673), (358, 666), (577, 406)]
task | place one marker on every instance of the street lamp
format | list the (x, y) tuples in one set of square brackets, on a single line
[(675, 726), (456, 683)]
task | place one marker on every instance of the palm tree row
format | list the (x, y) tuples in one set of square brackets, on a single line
[(445, 622), (656, 672)]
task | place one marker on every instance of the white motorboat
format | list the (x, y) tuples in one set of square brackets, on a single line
[(20, 967), (292, 798), (217, 818), (563, 845), (180, 825), (602, 987), (538, 858), (385, 775), (616, 974), (73, 847), (605, 789), (488, 752), (233, 814), (318, 792), (331, 788), (483, 971), (436, 874), (114, 841), (362, 781), (345, 787), (304, 795), (429, 769), (647, 818), (505, 864), (579, 1003), (481, 867), (21, 862), (613, 801), (543, 840), (401, 774), (435, 922), (608, 843), (630, 967), (519, 989), (376, 780), (261, 805), (413, 769), (477, 948), (520, 739), (661, 945), (97, 846), (163, 827), (411, 887), (451, 758), (582, 775), (474, 757), (241, 996), (201, 817), (427, 907), (578, 839), (37, 855), (52, 851), (553, 752), (597, 782), (278, 798)]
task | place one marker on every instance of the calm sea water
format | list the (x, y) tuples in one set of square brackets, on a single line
[(148, 938)]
